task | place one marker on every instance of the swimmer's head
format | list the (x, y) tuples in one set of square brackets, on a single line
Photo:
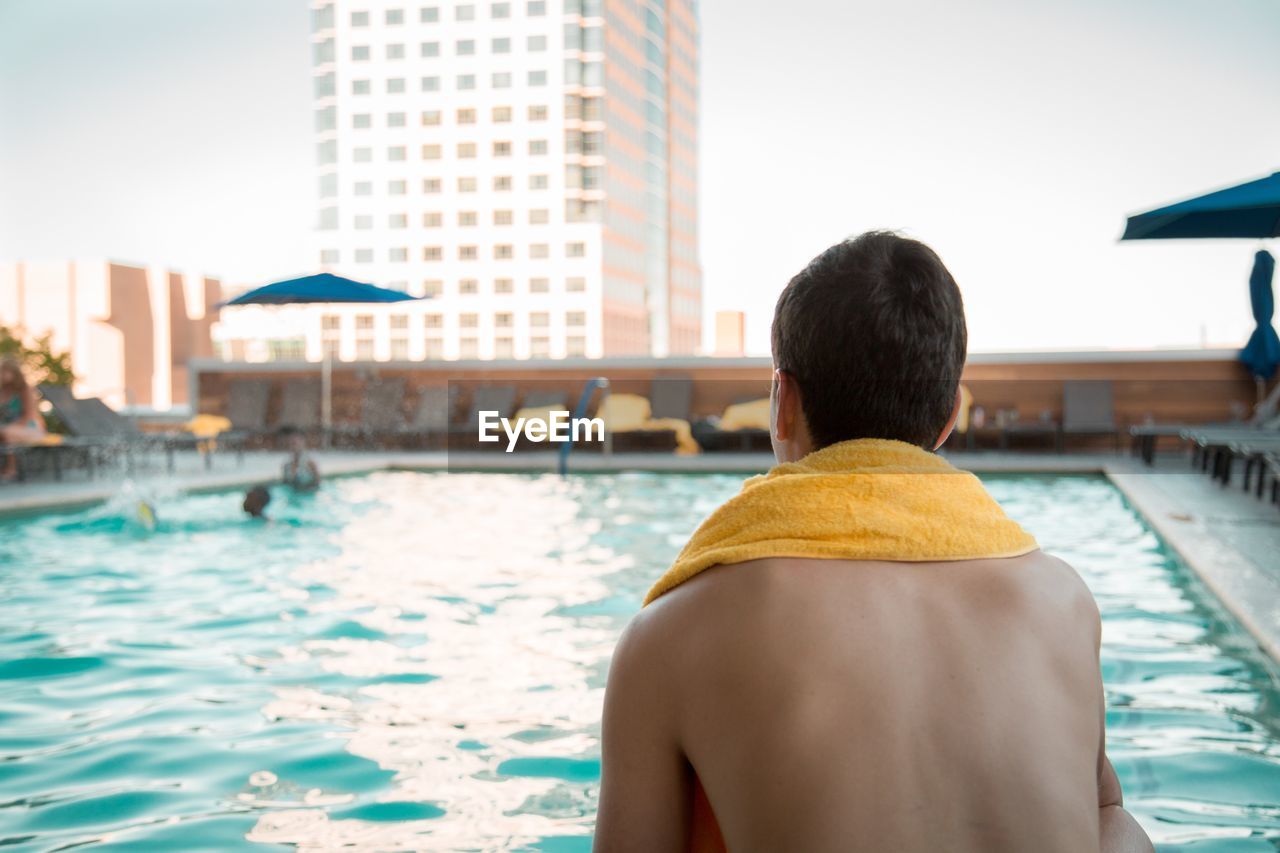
[(256, 500), (293, 438)]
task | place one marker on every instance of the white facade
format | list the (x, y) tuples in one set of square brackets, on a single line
[(461, 158)]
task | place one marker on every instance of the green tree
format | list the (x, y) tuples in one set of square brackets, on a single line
[(42, 365)]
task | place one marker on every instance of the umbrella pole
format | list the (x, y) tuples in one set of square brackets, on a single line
[(326, 397)]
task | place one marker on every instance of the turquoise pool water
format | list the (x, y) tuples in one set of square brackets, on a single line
[(416, 662)]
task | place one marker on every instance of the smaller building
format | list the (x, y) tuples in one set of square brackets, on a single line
[(131, 330)]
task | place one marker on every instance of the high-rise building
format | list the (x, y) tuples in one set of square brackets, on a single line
[(529, 165)]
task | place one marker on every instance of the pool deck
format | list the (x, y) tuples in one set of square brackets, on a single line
[(1230, 539)]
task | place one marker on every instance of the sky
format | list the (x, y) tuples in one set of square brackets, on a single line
[(1013, 136)]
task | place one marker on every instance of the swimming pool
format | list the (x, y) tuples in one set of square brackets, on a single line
[(411, 661)]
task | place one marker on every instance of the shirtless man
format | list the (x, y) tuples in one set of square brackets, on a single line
[(885, 707)]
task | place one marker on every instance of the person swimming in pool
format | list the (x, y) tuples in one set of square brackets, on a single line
[(255, 502), (921, 697), (300, 472), (20, 419)]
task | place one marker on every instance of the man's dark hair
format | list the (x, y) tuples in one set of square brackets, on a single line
[(873, 332)]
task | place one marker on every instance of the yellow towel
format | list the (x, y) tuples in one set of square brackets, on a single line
[(868, 499), (630, 413), (750, 415)]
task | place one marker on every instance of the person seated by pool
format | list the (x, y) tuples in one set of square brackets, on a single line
[(255, 502), (20, 419), (300, 472), (860, 651)]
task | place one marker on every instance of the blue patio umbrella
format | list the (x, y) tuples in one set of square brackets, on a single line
[(1262, 353), (1247, 210), (322, 288)]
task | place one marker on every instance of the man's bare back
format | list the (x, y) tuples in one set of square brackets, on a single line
[(832, 705)]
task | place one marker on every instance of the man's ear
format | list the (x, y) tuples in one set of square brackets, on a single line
[(951, 421), (787, 401)]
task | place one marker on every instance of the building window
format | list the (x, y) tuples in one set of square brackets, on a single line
[(398, 220), (330, 322), (465, 47), (394, 17), (575, 346), (539, 216), (431, 151), (430, 118), (364, 322), (575, 318), (361, 87), (504, 347), (468, 253), (466, 185), (468, 287), (434, 349), (431, 185), (468, 348), (332, 349), (500, 80), (395, 119), (429, 14), (539, 251), (540, 347), (396, 152), (539, 285), (395, 51), (500, 10), (466, 218), (432, 219), (503, 320), (464, 13), (575, 284), (502, 149), (575, 250), (364, 188), (537, 182), (395, 86), (359, 19), (429, 49), (503, 285), (536, 44), (536, 8), (537, 147), (432, 253), (503, 252), (501, 114), (397, 187), (466, 116), (431, 84), (363, 154), (398, 255), (363, 222), (538, 112), (537, 78), (433, 321), (502, 217), (360, 53), (501, 183), (329, 256), (466, 81), (364, 349), (468, 321), (399, 348), (362, 121), (432, 287), (500, 45), (466, 150)]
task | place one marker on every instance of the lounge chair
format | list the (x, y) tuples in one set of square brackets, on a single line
[(1147, 436), (101, 433), (537, 405), (247, 401), (744, 427), (381, 413), (486, 398), (1088, 408), (663, 426), (433, 413)]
